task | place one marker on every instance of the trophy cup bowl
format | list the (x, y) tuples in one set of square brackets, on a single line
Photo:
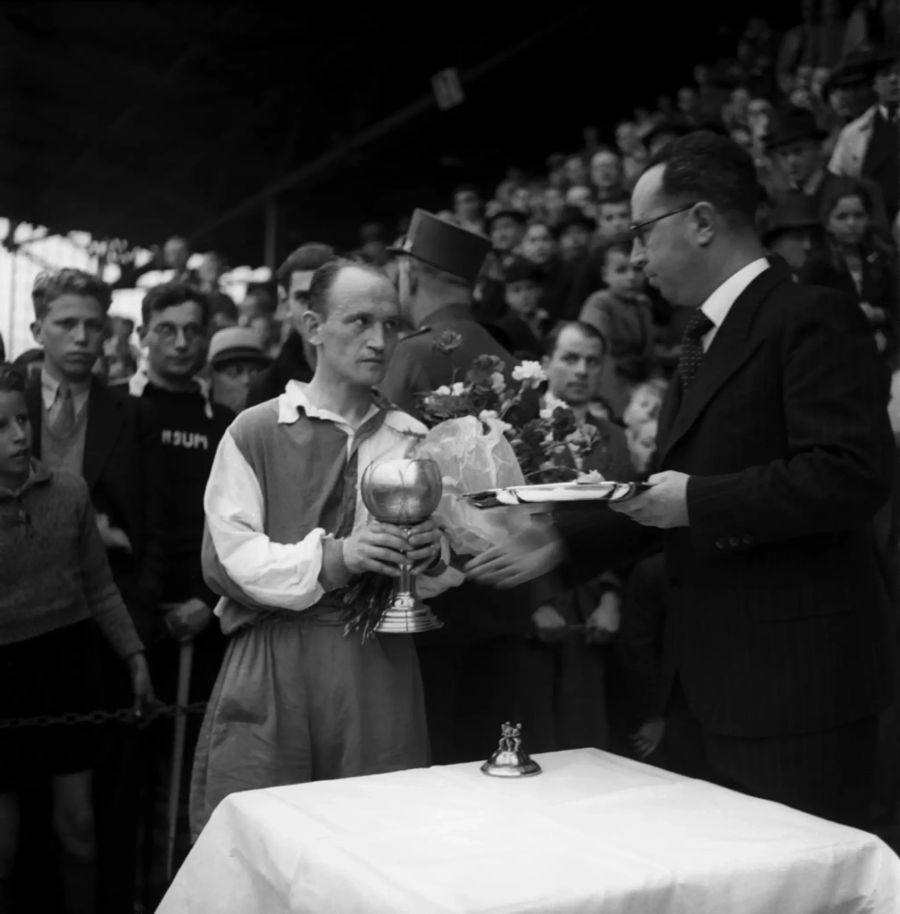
[(403, 492)]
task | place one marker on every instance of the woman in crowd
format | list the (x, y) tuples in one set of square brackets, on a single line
[(856, 262)]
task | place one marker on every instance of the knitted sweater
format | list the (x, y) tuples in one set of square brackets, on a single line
[(53, 566)]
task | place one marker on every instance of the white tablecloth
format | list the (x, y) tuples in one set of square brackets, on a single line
[(593, 833)]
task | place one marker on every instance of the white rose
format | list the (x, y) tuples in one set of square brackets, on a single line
[(498, 382), (443, 391), (546, 413), (486, 414), (529, 371), (458, 389)]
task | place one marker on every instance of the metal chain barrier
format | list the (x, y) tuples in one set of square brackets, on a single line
[(122, 715)]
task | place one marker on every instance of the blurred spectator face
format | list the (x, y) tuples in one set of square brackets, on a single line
[(687, 100), (801, 97), (627, 139), (643, 407), (887, 85), (176, 342), (506, 233), (573, 367), (620, 276), (606, 170), (839, 101), (701, 75), (819, 78), (467, 205), (231, 382), (520, 199), (523, 297), (786, 83), (800, 160), (742, 137), (72, 333), (794, 246), (538, 245), (554, 201), (503, 193), (803, 79), (613, 218), (848, 221), (211, 269), (176, 253), (740, 102), (579, 196), (576, 170), (759, 114), (574, 242)]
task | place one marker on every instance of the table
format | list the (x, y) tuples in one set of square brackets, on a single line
[(593, 833)]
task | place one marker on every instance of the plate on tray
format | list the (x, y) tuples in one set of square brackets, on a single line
[(556, 492)]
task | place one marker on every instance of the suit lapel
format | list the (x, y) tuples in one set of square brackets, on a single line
[(106, 415), (730, 349)]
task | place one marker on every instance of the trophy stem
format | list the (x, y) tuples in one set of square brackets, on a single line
[(405, 614)]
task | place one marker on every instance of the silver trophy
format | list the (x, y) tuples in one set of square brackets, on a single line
[(510, 760), (405, 493)]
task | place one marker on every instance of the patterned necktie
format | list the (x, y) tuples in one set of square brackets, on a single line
[(692, 348), (62, 413)]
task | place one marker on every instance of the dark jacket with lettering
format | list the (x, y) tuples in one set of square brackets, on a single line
[(191, 428)]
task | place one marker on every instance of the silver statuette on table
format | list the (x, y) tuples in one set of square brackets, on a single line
[(510, 760)]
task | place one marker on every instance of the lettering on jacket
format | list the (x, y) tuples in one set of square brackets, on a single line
[(191, 440)]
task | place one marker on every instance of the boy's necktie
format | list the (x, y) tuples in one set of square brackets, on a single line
[(62, 413)]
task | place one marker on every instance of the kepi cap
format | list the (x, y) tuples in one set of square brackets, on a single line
[(444, 246)]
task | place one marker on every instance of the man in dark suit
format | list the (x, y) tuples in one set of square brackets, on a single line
[(113, 440), (775, 454)]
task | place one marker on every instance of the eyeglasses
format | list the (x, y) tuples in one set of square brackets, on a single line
[(638, 230), (168, 333)]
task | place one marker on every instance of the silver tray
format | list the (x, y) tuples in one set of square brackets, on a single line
[(556, 492)]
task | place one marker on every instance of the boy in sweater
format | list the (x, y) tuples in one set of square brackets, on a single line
[(55, 583)]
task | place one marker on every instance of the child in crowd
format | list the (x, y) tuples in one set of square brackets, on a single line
[(640, 418), (56, 588), (622, 313), (525, 322)]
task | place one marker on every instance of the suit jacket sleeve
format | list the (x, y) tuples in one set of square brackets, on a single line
[(838, 472)]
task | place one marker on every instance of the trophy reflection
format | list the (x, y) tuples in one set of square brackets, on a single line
[(405, 493)]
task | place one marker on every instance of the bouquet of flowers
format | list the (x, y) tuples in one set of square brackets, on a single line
[(549, 447)]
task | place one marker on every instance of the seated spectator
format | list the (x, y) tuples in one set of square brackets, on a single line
[(574, 234), (857, 262), (613, 217), (623, 315), (234, 359), (505, 229), (525, 323), (606, 174), (633, 152), (793, 231), (576, 171), (468, 208), (553, 204)]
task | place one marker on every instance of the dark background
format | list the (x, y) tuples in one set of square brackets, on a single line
[(138, 120)]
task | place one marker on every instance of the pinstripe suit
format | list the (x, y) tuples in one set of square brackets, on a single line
[(775, 613)]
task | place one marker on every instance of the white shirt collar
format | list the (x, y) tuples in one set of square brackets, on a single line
[(296, 398), (50, 389), (717, 306)]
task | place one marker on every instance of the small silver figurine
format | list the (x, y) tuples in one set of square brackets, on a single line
[(510, 760)]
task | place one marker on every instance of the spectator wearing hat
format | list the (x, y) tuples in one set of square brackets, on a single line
[(505, 229), (525, 322), (468, 208), (296, 360), (796, 143), (869, 147), (235, 358), (793, 231)]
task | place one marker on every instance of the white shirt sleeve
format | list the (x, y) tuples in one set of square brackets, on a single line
[(282, 575)]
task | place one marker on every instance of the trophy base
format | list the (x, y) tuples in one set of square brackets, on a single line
[(406, 618), (511, 765)]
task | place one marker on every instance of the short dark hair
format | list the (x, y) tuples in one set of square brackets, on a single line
[(703, 165), (170, 294), (588, 330), (52, 284), (326, 275), (621, 243), (466, 189), (11, 379), (308, 256)]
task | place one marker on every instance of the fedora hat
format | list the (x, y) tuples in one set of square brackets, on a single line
[(793, 211), (792, 125)]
